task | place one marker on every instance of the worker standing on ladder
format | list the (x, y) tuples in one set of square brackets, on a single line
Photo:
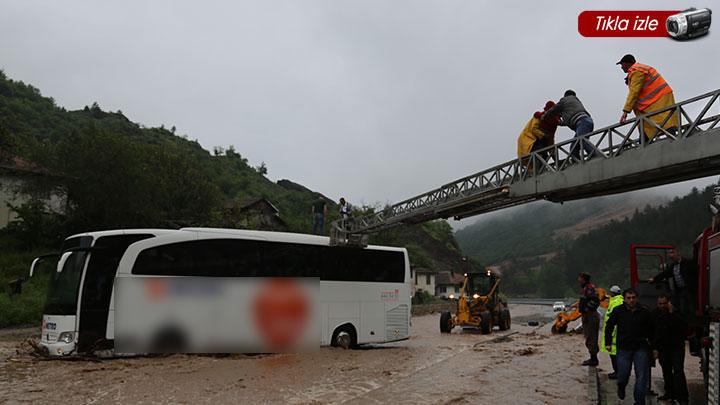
[(344, 209), (538, 133), (647, 92), (574, 116), (319, 210)]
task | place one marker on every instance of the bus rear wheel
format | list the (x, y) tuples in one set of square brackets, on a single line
[(345, 337)]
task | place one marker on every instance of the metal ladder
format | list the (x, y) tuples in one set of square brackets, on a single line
[(625, 160)]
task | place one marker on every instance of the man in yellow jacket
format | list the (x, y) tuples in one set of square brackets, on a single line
[(616, 299), (647, 92), (539, 132)]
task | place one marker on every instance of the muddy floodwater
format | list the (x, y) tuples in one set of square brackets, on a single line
[(530, 366)]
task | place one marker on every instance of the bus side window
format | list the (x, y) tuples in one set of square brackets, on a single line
[(210, 258), (239, 264), (389, 267), (248, 258), (227, 258), (288, 260), (165, 260)]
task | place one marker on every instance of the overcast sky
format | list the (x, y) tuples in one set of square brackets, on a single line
[(376, 101)]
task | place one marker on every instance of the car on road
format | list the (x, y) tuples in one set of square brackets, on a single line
[(558, 306)]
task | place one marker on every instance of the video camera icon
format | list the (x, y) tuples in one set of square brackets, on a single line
[(689, 24)]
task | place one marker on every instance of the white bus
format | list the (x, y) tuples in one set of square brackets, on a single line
[(364, 294)]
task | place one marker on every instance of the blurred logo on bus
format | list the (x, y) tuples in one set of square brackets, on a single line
[(281, 312), (160, 288), (216, 314), (390, 296), (155, 288)]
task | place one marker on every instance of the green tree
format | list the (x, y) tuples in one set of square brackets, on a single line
[(262, 169)]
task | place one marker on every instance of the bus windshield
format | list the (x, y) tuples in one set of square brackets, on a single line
[(63, 291)]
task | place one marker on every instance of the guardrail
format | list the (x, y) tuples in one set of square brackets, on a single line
[(538, 301)]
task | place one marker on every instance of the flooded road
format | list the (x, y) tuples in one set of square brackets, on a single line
[(529, 367)]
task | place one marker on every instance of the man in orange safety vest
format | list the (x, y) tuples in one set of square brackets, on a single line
[(648, 92)]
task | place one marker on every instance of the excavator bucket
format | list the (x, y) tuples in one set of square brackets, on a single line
[(564, 318), (556, 328)]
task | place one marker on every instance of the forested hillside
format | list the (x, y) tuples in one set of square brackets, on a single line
[(119, 174), (542, 248), (543, 227), (605, 251)]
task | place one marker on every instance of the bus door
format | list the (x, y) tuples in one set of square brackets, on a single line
[(97, 289)]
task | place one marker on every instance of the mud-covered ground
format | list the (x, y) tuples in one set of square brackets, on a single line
[(529, 367)]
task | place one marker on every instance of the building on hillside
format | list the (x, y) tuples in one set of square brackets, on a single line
[(423, 279), (257, 213), (447, 283), (16, 176)]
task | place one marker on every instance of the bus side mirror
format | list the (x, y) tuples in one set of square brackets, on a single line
[(63, 259), (33, 266), (38, 260)]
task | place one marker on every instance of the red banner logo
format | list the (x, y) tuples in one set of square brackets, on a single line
[(642, 23)]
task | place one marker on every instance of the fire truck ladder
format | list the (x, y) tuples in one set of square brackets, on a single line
[(622, 158)]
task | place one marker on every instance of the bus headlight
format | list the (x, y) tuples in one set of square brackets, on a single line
[(66, 337), (689, 23), (451, 296)]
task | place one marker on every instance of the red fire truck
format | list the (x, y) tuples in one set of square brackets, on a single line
[(703, 314)]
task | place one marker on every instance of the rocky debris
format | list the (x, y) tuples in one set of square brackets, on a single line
[(527, 351), (503, 338)]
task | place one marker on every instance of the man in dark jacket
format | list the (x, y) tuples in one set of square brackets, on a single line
[(587, 305), (319, 211), (683, 273), (669, 349), (574, 116), (634, 333)]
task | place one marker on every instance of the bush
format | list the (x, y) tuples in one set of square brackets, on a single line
[(27, 307), (421, 297), (34, 227)]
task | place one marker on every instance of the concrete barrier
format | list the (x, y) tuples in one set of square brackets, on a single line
[(434, 308), (593, 386), (538, 301)]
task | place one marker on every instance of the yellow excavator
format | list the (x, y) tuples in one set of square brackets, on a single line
[(564, 318), (478, 305)]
